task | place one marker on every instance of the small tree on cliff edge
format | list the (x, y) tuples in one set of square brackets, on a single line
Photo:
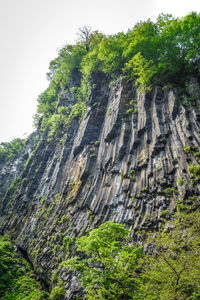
[(84, 35)]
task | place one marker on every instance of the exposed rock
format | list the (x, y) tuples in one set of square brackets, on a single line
[(113, 166)]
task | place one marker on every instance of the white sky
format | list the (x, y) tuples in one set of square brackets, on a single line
[(31, 31)]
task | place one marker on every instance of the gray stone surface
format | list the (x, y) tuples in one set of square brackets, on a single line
[(112, 166)]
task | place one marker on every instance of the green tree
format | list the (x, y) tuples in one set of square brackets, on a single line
[(142, 38), (172, 270), (190, 41), (69, 59), (141, 70), (15, 280), (9, 150), (58, 292), (84, 35), (110, 265), (47, 101), (162, 52), (110, 51)]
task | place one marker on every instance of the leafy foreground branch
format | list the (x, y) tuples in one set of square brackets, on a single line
[(109, 267)]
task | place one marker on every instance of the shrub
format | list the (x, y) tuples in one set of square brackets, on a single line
[(109, 267), (58, 292), (11, 149), (187, 149), (15, 280), (194, 170), (180, 181)]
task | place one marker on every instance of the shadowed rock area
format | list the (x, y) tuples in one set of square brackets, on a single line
[(124, 162)]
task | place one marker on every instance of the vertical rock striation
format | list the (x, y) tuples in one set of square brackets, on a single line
[(127, 161)]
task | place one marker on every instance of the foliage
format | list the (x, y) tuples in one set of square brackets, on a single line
[(26, 288), (170, 191), (7, 264), (194, 170), (197, 155), (187, 149), (109, 267), (78, 110), (140, 69), (48, 99), (110, 52), (10, 193), (57, 293), (132, 107), (57, 123), (85, 35), (195, 173), (11, 149), (69, 59), (172, 271), (165, 45), (15, 280), (180, 181), (160, 52)]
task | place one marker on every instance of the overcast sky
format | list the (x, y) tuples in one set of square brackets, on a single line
[(31, 31)]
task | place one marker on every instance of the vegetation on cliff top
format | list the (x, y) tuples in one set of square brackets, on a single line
[(161, 52), (11, 149), (109, 267), (150, 53)]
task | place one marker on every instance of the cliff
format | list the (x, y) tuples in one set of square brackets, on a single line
[(117, 138), (128, 166)]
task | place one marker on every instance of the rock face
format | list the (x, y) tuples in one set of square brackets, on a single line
[(127, 161)]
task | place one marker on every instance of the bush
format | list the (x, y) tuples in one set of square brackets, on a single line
[(110, 265), (180, 181), (11, 149), (57, 292), (15, 282)]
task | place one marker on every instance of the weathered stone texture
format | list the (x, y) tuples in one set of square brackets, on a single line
[(115, 165)]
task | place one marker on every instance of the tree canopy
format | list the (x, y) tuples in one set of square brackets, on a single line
[(9, 150), (109, 270), (109, 266), (161, 52), (16, 280)]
